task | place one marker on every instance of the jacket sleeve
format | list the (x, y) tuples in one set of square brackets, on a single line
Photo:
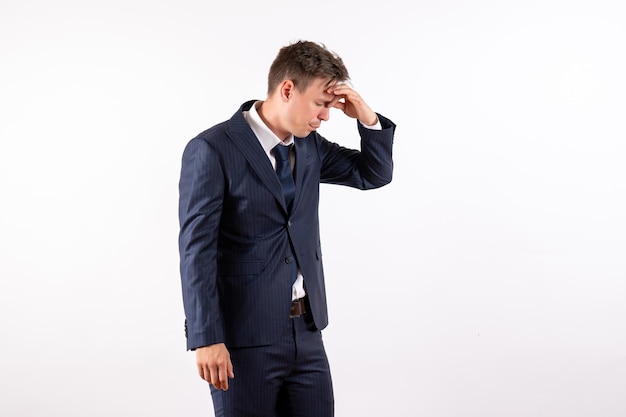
[(371, 167), (201, 193)]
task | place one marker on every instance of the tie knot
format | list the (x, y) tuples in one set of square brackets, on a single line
[(281, 152)]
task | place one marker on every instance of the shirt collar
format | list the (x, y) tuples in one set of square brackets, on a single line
[(266, 137)]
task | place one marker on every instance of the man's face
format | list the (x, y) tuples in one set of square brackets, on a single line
[(307, 109)]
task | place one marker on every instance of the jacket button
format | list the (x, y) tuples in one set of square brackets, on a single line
[(289, 223), (288, 259)]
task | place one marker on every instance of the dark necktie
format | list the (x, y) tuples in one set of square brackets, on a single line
[(283, 170)]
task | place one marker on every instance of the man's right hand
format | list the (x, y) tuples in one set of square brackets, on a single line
[(214, 365)]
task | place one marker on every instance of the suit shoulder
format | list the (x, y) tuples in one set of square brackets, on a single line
[(213, 133), (207, 139)]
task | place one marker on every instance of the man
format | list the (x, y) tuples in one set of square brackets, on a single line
[(251, 265)]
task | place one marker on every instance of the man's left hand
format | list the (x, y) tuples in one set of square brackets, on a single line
[(351, 103)]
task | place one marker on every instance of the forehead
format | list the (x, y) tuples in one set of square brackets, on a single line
[(318, 88)]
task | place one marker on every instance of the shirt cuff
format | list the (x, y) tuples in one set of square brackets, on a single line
[(376, 126)]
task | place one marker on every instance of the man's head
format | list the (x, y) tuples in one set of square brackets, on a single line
[(302, 62), (298, 88)]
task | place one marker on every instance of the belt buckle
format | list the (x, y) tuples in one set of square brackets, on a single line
[(297, 308)]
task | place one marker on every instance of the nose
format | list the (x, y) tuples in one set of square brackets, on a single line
[(324, 114)]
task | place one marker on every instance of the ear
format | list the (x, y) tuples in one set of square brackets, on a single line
[(286, 90)]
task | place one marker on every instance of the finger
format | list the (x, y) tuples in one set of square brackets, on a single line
[(223, 376), (340, 105), (231, 371), (201, 371), (334, 101), (342, 87), (215, 378), (338, 90)]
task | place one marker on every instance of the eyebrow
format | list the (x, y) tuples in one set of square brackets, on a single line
[(331, 97)]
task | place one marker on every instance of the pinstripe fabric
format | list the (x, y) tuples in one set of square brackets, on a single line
[(288, 378), (235, 231), (238, 245)]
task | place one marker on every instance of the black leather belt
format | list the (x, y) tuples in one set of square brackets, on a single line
[(298, 308)]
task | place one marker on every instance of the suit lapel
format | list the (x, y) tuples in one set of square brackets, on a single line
[(243, 137)]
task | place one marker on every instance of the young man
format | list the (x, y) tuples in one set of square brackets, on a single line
[(251, 263)]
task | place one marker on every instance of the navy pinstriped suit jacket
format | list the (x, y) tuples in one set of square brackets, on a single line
[(234, 228)]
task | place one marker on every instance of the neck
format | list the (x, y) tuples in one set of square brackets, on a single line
[(271, 119)]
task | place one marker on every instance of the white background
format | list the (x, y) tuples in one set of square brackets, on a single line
[(488, 279)]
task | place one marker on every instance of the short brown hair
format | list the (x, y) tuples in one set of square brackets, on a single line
[(302, 62)]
